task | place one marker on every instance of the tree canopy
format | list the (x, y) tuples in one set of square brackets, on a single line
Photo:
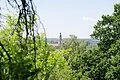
[(25, 54)]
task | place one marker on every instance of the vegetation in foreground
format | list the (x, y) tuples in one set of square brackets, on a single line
[(30, 58)]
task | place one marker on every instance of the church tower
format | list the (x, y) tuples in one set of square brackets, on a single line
[(60, 39)]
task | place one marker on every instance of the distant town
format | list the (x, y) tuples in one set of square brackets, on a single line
[(55, 41)]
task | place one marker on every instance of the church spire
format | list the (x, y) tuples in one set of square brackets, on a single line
[(60, 39)]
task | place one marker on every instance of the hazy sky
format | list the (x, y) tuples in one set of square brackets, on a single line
[(72, 16)]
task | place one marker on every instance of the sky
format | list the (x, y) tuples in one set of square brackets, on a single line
[(75, 17), (71, 17)]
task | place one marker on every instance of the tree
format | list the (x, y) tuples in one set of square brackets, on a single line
[(28, 57), (19, 46), (103, 62), (18, 61), (107, 30), (75, 49)]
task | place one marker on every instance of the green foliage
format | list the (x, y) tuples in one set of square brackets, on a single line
[(18, 58), (105, 61), (61, 71), (75, 49), (107, 30), (30, 58)]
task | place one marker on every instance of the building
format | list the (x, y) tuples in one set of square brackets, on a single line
[(58, 42)]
